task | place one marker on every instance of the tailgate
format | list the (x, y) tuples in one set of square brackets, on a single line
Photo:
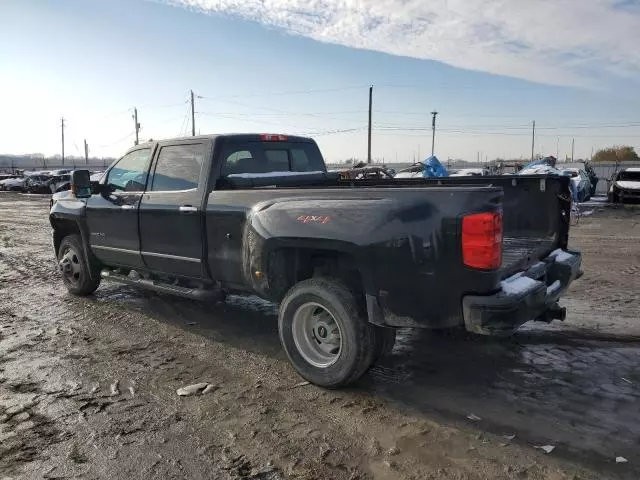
[(536, 213)]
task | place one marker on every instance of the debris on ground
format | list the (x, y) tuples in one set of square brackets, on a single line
[(208, 389), (621, 460), (546, 448), (194, 389), (509, 437), (301, 384), (473, 417), (115, 388)]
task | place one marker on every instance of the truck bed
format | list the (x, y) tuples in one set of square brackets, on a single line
[(517, 251), (533, 205)]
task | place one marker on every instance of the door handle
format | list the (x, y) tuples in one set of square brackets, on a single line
[(127, 207), (187, 209)]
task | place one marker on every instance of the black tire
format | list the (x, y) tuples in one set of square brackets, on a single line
[(385, 340), (81, 279), (358, 339)]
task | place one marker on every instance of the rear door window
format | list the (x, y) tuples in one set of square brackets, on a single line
[(178, 167)]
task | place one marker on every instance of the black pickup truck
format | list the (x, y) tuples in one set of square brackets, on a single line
[(349, 261)]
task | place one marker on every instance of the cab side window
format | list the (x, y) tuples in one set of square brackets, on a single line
[(131, 171), (178, 167)]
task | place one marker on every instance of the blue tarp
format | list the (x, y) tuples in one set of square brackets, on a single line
[(433, 168)]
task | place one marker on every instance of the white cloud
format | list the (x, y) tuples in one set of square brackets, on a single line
[(567, 42)]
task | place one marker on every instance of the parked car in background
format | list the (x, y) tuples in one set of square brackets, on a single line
[(60, 183), (470, 172), (96, 176), (625, 186), (12, 184), (37, 183), (581, 182), (414, 171)]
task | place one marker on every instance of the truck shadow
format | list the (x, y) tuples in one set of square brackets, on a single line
[(575, 390)]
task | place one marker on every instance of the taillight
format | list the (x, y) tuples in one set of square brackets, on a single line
[(482, 240), (270, 137)]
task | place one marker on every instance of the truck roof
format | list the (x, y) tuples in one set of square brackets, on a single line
[(240, 137)]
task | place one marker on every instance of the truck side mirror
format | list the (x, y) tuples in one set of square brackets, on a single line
[(81, 183)]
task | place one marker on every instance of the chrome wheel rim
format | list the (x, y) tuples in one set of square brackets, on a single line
[(70, 266), (317, 335)]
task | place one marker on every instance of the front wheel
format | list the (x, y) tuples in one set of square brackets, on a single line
[(327, 339), (76, 275)]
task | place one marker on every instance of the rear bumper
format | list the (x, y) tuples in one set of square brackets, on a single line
[(529, 295)]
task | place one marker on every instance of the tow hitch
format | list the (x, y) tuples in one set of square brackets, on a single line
[(555, 312)]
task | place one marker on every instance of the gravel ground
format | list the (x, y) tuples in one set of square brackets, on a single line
[(88, 386)]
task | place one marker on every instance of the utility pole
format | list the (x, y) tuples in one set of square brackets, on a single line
[(433, 132), (369, 135), (86, 152), (573, 147), (533, 140), (62, 132), (193, 117), (136, 124)]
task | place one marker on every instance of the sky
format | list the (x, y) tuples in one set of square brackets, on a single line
[(488, 67)]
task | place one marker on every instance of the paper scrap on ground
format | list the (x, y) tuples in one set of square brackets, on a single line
[(191, 389), (546, 448)]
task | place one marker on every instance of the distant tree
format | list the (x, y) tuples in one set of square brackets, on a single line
[(616, 155)]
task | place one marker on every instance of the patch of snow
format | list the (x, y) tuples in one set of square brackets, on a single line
[(553, 287), (621, 460), (560, 255), (271, 174), (518, 284)]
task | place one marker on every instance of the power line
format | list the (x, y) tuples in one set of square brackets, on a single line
[(285, 93), (117, 141)]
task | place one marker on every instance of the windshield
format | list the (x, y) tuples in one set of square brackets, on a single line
[(632, 176)]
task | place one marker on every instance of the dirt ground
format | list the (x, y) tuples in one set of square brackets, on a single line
[(88, 386)]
